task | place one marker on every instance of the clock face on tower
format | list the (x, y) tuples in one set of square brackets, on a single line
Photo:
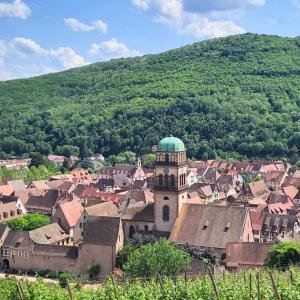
[(166, 171)]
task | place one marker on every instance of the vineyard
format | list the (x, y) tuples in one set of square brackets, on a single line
[(250, 285)]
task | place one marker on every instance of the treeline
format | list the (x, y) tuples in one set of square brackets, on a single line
[(236, 98)]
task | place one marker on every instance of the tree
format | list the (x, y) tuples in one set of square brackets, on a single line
[(83, 150), (283, 255), (161, 258), (124, 254), (148, 160), (29, 222), (37, 159), (68, 150), (93, 271)]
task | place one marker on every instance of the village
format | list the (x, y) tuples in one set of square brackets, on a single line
[(232, 210)]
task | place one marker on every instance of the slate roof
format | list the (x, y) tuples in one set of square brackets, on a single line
[(18, 239), (44, 202), (2, 229), (101, 230), (138, 212), (209, 225), (48, 234), (252, 254), (70, 252), (102, 209)]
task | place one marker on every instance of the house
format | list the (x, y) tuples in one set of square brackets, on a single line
[(57, 159), (191, 177), (81, 176), (211, 226), (44, 203), (24, 195), (69, 215), (208, 175), (257, 189), (274, 179), (102, 239), (10, 207), (102, 209), (138, 218), (6, 190), (291, 191), (243, 256), (267, 226), (51, 234), (17, 185), (15, 164), (207, 192)]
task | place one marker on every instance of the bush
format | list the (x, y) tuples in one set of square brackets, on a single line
[(93, 271), (29, 222), (161, 258), (64, 278), (283, 255)]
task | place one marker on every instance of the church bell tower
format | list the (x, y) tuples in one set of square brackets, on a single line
[(170, 190)]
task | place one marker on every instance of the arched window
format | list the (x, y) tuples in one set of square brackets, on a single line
[(180, 180), (167, 158), (131, 231), (172, 180), (160, 180), (183, 178), (166, 180), (166, 213), (166, 198)]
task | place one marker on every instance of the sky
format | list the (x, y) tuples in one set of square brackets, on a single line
[(44, 36)]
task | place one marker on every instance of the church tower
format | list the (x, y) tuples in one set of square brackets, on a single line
[(170, 190)]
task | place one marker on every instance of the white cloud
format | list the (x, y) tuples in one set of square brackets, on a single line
[(23, 57), (172, 8), (16, 9), (27, 46), (142, 4), (201, 27), (201, 19), (112, 49), (76, 25), (68, 57)]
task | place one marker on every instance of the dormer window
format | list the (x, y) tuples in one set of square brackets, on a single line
[(227, 227), (205, 225)]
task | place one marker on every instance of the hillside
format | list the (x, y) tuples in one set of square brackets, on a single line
[(233, 97)]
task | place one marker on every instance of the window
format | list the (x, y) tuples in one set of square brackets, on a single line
[(20, 253), (172, 177), (13, 253), (146, 228), (166, 213), (131, 231), (166, 180), (167, 158), (160, 180), (25, 254), (255, 231), (5, 252), (166, 198)]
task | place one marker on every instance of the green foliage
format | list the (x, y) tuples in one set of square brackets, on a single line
[(93, 271), (161, 258), (148, 160), (123, 255), (236, 97), (67, 150), (29, 222), (283, 255), (64, 278), (232, 286), (126, 157)]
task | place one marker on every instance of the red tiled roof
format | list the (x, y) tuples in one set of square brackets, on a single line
[(290, 191), (257, 219), (6, 190), (72, 211)]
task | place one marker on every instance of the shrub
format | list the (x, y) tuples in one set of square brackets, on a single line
[(29, 222)]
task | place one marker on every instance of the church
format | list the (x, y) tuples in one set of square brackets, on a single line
[(172, 216)]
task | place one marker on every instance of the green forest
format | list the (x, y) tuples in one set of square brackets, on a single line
[(232, 98)]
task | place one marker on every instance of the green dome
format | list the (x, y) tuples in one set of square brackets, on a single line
[(171, 144)]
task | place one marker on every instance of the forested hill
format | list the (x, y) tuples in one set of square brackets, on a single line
[(233, 97)]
